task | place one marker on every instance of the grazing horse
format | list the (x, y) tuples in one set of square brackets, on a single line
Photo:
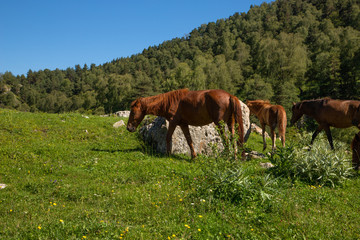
[(271, 115), (184, 108), (328, 113), (355, 147)]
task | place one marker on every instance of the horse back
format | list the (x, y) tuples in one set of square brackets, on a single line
[(202, 107), (336, 113), (275, 115)]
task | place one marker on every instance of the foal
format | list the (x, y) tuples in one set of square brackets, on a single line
[(271, 115)]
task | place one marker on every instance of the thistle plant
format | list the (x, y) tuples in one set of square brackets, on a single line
[(323, 166), (316, 165)]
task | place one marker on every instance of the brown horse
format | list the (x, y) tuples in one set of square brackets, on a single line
[(327, 113), (355, 147), (184, 108), (271, 115)]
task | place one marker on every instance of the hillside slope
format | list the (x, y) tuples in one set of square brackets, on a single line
[(283, 51)]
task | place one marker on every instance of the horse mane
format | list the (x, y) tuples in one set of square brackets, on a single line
[(317, 101), (256, 106), (162, 103), (325, 99), (260, 101)]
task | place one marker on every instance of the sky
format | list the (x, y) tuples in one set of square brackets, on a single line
[(50, 34)]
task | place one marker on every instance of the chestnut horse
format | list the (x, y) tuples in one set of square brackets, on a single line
[(328, 113), (355, 147), (184, 108), (271, 115)]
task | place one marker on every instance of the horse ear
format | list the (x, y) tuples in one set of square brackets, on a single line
[(294, 103)]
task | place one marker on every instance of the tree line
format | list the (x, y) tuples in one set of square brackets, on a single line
[(283, 51)]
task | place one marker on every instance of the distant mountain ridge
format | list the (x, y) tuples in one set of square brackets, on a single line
[(283, 51)]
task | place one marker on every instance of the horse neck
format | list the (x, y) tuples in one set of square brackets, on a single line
[(151, 106), (158, 105), (256, 108), (310, 107)]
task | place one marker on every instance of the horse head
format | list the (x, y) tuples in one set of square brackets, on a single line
[(137, 114), (296, 113)]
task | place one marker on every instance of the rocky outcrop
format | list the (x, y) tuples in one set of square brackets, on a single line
[(203, 137), (125, 114)]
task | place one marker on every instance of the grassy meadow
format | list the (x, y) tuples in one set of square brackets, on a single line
[(71, 176)]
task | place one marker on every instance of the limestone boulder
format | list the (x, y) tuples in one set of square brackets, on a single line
[(125, 114)]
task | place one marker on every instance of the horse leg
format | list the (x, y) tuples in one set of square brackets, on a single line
[(329, 137), (185, 129), (273, 138), (282, 138), (263, 135), (169, 134), (315, 134), (355, 160)]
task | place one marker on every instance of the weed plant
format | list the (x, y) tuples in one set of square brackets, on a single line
[(228, 179), (315, 165)]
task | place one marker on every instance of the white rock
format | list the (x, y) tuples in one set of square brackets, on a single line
[(119, 124)]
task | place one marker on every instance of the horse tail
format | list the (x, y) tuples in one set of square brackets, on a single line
[(282, 121), (237, 113)]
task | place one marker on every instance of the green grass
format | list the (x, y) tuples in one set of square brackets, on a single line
[(71, 177)]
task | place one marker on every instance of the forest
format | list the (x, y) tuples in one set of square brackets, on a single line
[(283, 51)]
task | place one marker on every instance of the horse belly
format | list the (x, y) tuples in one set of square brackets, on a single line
[(199, 117), (338, 120)]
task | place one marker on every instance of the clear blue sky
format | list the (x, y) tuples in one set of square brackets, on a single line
[(40, 34)]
